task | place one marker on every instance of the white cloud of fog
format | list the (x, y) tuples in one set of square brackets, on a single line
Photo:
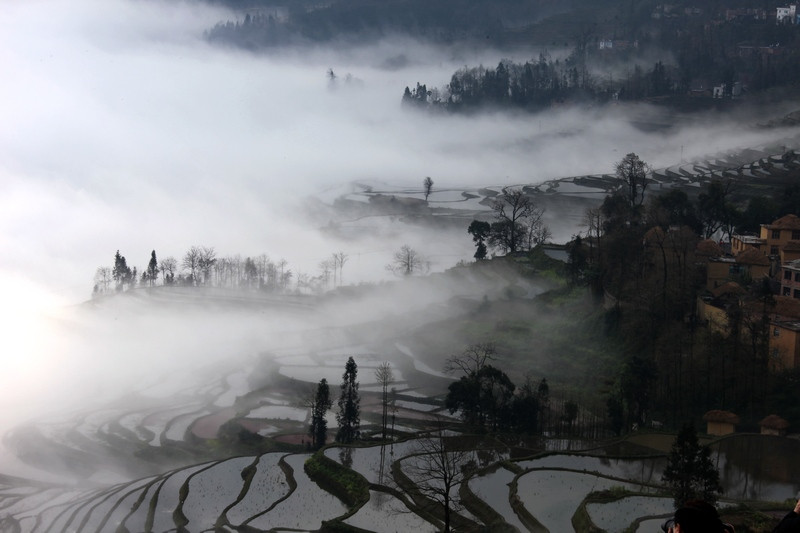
[(122, 129)]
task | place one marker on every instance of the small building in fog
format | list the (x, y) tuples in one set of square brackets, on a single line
[(720, 422), (774, 425)]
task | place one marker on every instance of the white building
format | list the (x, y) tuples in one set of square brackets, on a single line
[(784, 13)]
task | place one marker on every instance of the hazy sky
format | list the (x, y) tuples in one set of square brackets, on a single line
[(120, 128)]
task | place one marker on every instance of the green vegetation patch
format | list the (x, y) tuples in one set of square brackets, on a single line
[(344, 483)]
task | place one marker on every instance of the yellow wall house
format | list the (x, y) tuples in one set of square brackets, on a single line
[(784, 345), (740, 243), (780, 232), (750, 263), (720, 422)]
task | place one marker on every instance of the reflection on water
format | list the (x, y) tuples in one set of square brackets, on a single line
[(758, 467)]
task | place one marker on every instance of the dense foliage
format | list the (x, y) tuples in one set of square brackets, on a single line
[(348, 416), (318, 429), (690, 473)]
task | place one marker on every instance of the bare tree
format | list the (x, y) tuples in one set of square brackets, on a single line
[(385, 377), (470, 362), (406, 261), (438, 469), (169, 266), (512, 212), (207, 258), (593, 222), (191, 262), (326, 267), (538, 232), (102, 279), (632, 171), (427, 184), (339, 259)]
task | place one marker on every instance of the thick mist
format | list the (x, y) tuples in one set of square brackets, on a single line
[(124, 130)]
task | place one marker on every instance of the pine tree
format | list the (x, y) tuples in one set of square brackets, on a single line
[(348, 416), (121, 273), (152, 269), (318, 431), (690, 474)]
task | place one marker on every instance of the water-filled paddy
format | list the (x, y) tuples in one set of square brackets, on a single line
[(493, 489), (616, 516), (213, 489), (305, 508), (553, 496), (384, 512), (268, 486)]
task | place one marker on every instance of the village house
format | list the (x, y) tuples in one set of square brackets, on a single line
[(745, 13), (790, 279), (790, 252), (740, 242), (784, 345), (616, 44), (786, 15), (779, 239), (749, 264), (774, 425), (780, 232), (712, 310), (720, 422)]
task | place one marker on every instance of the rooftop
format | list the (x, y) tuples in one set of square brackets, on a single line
[(785, 222)]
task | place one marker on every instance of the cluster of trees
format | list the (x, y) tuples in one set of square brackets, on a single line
[(488, 400), (645, 255), (348, 416), (517, 224), (201, 266), (756, 53), (530, 85), (366, 20)]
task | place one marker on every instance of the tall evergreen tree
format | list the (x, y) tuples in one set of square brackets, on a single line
[(348, 416), (121, 273), (690, 473), (318, 430), (152, 268)]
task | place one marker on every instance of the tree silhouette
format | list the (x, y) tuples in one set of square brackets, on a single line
[(480, 233), (437, 469), (427, 184), (318, 430), (690, 474), (384, 377), (632, 171), (121, 273), (152, 268), (406, 261), (349, 415)]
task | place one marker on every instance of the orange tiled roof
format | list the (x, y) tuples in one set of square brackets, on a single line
[(730, 287), (785, 222), (716, 415), (786, 307), (774, 422), (709, 248), (751, 256)]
